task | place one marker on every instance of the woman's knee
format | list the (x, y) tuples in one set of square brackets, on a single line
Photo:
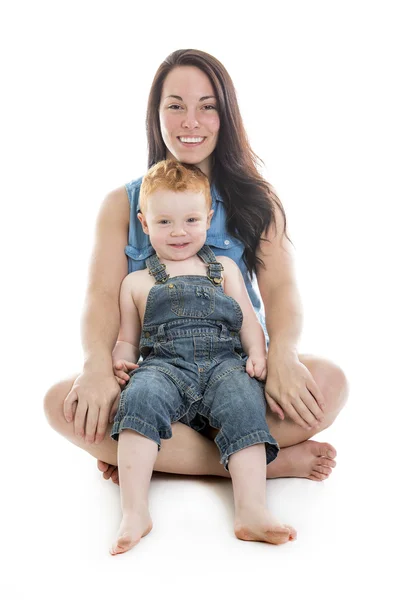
[(53, 402), (331, 380)]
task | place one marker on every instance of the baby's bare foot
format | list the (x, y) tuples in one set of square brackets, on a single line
[(134, 526), (258, 525), (312, 460)]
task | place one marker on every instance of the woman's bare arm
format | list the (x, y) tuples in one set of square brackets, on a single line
[(108, 267), (291, 389), (278, 288), (96, 390)]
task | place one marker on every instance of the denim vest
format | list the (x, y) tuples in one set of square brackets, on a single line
[(218, 238)]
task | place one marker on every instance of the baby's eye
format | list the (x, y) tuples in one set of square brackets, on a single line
[(192, 220), (163, 221)]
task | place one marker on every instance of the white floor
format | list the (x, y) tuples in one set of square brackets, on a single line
[(61, 516)]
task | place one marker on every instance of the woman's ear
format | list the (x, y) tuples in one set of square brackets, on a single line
[(143, 221)]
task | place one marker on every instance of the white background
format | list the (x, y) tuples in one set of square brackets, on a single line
[(318, 88)]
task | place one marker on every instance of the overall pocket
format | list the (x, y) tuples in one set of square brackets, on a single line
[(165, 350), (190, 300)]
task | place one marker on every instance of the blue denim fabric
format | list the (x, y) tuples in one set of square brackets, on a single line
[(218, 238), (194, 367)]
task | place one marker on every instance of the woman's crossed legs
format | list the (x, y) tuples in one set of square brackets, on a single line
[(190, 453)]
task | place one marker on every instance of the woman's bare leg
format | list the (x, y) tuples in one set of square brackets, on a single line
[(190, 453), (299, 457), (186, 453)]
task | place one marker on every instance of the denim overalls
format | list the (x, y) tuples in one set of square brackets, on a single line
[(194, 367), (221, 242)]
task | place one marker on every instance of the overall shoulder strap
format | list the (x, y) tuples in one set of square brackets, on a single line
[(214, 268), (157, 269)]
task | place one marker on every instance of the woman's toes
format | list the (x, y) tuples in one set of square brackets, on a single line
[(102, 466), (324, 470), (327, 450), (316, 476), (327, 462), (107, 474)]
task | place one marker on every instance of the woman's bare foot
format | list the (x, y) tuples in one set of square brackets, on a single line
[(256, 524), (134, 526), (312, 460), (109, 471)]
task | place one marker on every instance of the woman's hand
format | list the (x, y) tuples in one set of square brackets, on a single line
[(92, 403), (256, 366), (291, 390), (121, 369)]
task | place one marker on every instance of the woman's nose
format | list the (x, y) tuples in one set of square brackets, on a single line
[(190, 120)]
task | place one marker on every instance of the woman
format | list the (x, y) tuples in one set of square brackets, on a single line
[(193, 117)]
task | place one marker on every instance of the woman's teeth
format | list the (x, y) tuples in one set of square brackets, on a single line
[(191, 140)]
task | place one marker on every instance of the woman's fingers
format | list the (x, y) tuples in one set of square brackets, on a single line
[(316, 392), (312, 405), (92, 418), (80, 416), (102, 423), (114, 410), (297, 417), (297, 408), (274, 406), (69, 402)]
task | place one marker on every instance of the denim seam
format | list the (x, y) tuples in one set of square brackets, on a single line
[(183, 387), (223, 375), (141, 427), (259, 437)]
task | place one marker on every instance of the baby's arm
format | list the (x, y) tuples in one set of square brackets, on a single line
[(251, 334), (126, 351)]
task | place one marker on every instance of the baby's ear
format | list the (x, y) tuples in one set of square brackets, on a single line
[(209, 217), (143, 221)]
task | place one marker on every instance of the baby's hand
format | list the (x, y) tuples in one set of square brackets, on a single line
[(121, 368), (256, 366)]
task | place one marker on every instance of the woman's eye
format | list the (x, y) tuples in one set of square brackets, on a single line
[(174, 106)]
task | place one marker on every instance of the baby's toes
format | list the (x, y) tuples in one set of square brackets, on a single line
[(293, 532)]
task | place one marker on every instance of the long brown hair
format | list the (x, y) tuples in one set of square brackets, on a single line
[(249, 200)]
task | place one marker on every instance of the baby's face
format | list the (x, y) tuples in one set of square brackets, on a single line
[(176, 222)]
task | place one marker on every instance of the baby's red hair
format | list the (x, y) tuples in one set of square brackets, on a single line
[(177, 177)]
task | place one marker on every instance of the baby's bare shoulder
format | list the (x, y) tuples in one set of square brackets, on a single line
[(229, 265), (132, 279)]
